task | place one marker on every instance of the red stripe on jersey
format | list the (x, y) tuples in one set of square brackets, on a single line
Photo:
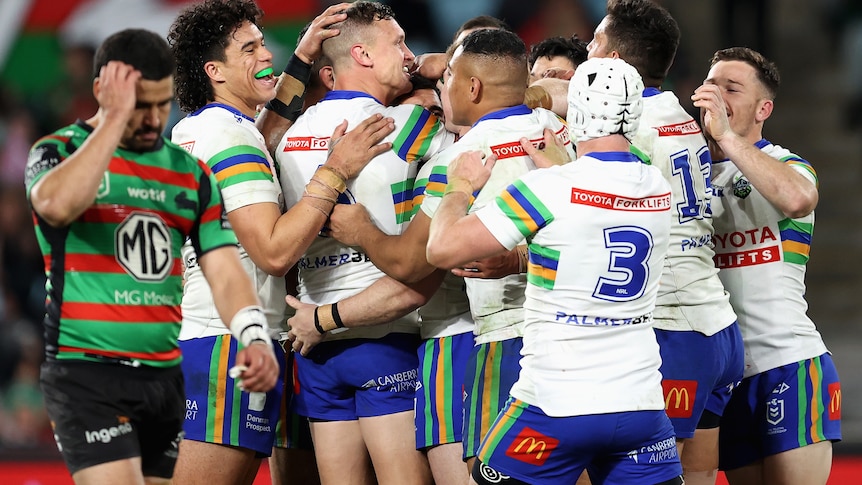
[(93, 263), (159, 356), (116, 213), (211, 214), (104, 312), (63, 139), (122, 166)]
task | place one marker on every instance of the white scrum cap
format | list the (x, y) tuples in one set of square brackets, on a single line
[(605, 98)]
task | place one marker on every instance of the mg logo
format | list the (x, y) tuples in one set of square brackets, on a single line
[(679, 397), (143, 247)]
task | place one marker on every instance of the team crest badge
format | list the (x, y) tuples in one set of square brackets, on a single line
[(741, 186)]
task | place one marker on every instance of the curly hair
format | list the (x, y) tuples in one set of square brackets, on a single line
[(201, 34), (767, 71)]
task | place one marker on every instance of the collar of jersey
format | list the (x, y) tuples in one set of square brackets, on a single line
[(349, 95), (233, 110), (521, 109), (614, 156), (762, 143), (651, 92)]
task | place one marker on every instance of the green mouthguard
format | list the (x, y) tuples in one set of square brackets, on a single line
[(264, 73)]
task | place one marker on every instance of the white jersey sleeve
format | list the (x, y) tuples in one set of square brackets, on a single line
[(691, 296), (233, 148), (754, 241)]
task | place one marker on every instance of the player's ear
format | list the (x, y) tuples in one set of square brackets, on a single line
[(213, 71), (360, 54), (475, 89), (764, 110)]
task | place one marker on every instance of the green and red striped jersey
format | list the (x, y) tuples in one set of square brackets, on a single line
[(114, 274)]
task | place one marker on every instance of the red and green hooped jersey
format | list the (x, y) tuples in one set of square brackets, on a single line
[(114, 274)]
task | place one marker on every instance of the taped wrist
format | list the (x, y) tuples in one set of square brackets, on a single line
[(523, 258), (249, 325), (301, 73), (538, 97), (326, 318), (457, 184)]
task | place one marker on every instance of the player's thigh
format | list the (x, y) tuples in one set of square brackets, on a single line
[(342, 457), (392, 446), (198, 459), (447, 467), (809, 465), (119, 471)]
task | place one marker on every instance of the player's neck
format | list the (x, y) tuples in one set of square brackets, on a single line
[(612, 143), (350, 82)]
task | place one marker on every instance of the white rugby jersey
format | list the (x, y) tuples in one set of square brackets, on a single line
[(230, 143), (496, 304), (598, 235), (690, 295), (761, 256), (447, 313), (330, 271)]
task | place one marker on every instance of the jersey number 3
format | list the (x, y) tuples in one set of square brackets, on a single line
[(630, 248)]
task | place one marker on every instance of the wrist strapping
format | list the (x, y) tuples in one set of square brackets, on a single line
[(326, 318), (523, 258), (249, 325), (457, 184), (298, 69), (330, 178)]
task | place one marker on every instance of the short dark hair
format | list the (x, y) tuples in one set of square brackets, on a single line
[(495, 43), (767, 71), (360, 15), (202, 33), (144, 50), (572, 48), (645, 35), (481, 22)]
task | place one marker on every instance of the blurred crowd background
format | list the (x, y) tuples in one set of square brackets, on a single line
[(46, 49)]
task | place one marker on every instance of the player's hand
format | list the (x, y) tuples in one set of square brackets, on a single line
[(261, 369), (558, 73), (550, 151), (310, 46), (493, 267), (472, 166), (713, 111), (349, 153), (303, 336), (430, 65), (348, 222), (117, 90)]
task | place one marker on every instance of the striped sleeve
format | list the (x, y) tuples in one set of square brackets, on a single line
[(240, 164), (802, 166), (416, 138), (523, 208)]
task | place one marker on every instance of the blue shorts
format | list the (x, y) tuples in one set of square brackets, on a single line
[(216, 410), (779, 410), (292, 430), (698, 373), (629, 447), (344, 380), (439, 395), (492, 368)]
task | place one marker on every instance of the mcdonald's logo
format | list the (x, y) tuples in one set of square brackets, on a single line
[(532, 447), (834, 400), (679, 397)]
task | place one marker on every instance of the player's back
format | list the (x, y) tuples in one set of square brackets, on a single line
[(691, 296)]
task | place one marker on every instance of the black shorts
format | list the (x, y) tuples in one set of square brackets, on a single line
[(105, 412)]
